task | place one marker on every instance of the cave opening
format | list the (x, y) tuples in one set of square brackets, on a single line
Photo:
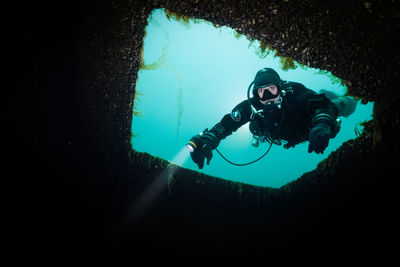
[(193, 73)]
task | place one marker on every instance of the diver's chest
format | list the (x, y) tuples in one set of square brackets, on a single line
[(286, 121)]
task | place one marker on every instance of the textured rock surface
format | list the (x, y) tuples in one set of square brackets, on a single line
[(72, 178)]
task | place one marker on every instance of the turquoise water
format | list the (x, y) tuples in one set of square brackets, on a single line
[(195, 74)]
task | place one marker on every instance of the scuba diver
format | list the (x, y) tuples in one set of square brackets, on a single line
[(279, 112)]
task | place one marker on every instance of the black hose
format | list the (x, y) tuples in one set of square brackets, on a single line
[(248, 163), (251, 162)]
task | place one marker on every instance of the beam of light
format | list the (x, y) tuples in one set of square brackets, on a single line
[(147, 198), (159, 184)]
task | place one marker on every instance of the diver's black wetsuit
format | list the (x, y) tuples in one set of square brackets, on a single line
[(292, 122), (291, 113)]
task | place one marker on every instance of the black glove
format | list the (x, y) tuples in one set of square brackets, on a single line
[(319, 138), (205, 143)]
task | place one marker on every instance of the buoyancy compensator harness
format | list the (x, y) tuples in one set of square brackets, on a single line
[(284, 88)]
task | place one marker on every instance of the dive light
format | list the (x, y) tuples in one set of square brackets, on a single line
[(193, 143)]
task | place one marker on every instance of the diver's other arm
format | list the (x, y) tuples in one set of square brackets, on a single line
[(324, 123), (320, 133), (201, 147)]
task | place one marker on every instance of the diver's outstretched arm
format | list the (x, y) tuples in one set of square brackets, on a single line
[(202, 144)]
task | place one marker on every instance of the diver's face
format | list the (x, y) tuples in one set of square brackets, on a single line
[(273, 89)]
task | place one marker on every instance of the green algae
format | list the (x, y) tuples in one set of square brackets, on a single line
[(136, 98), (180, 110), (333, 78), (171, 169), (163, 63), (264, 49), (155, 65), (359, 128), (136, 113), (183, 19)]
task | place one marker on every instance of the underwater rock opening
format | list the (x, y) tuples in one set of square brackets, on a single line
[(193, 73)]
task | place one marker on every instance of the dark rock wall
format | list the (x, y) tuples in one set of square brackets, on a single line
[(72, 178)]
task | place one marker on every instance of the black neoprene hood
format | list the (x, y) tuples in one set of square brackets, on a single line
[(265, 77)]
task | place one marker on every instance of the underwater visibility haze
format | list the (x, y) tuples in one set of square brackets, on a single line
[(194, 73)]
